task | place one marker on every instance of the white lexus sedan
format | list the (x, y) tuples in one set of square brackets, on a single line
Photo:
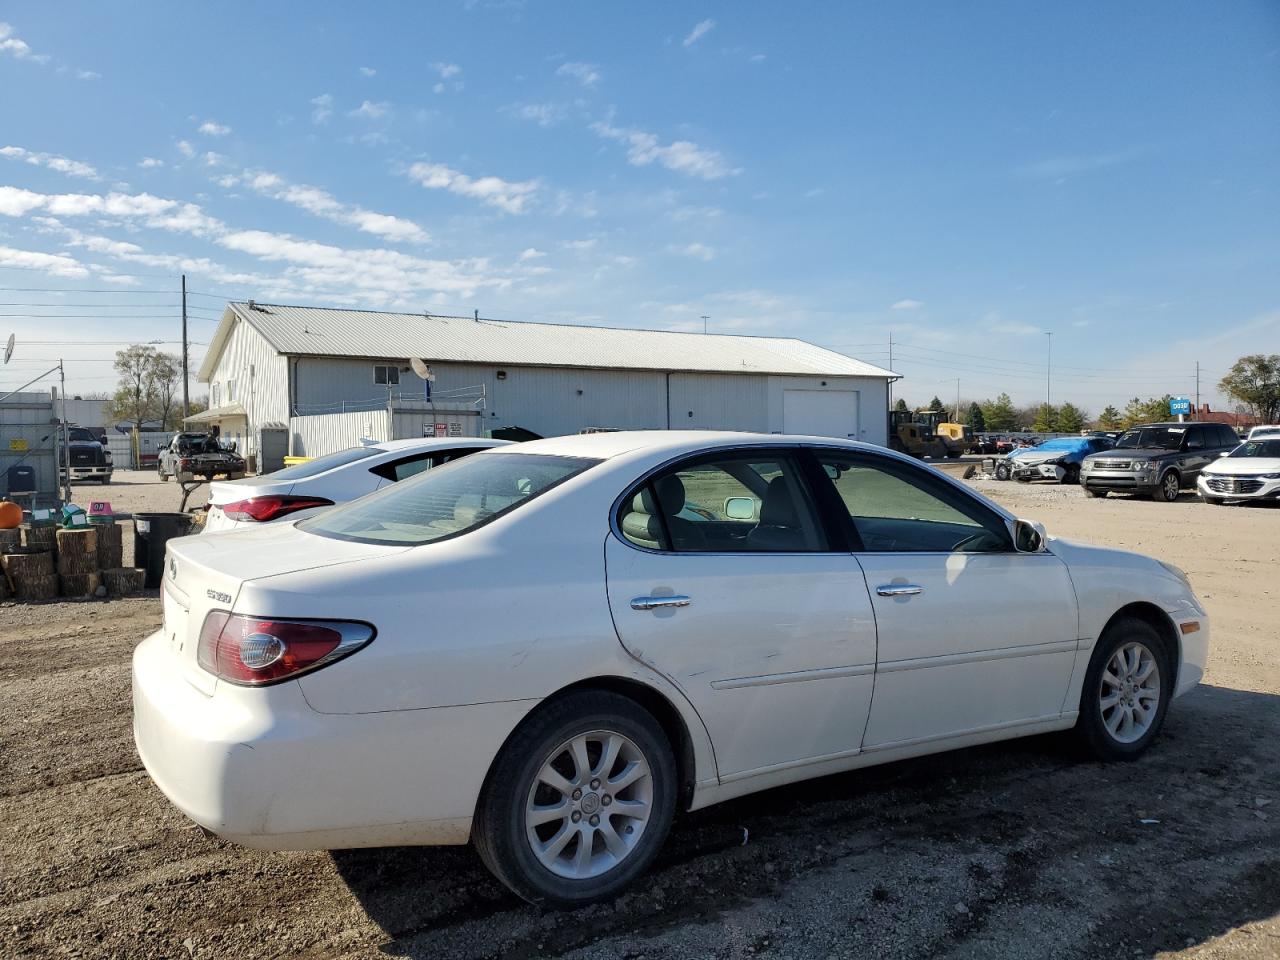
[(307, 488), (1250, 472), (551, 649)]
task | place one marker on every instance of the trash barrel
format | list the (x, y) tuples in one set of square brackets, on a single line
[(151, 531)]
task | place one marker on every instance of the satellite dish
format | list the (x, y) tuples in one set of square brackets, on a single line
[(422, 368), (8, 349)]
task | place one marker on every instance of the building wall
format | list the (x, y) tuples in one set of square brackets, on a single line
[(251, 373)]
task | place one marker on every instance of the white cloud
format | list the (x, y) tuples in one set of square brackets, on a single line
[(511, 196), (580, 245), (587, 74), (322, 108), (92, 75), (52, 161), (907, 304), (543, 114), (16, 202), (447, 71), (438, 88), (699, 251), (149, 162), (368, 71), (994, 323), (369, 110), (55, 265), (185, 148), (699, 31), (680, 155), (211, 128), (758, 58), (212, 159), (532, 253), (323, 204), (16, 47), (1062, 168)]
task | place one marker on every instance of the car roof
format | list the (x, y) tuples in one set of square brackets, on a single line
[(604, 446), (438, 443)]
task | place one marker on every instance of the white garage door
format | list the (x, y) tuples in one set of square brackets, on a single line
[(823, 413)]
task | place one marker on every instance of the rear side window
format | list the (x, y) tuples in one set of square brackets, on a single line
[(447, 501)]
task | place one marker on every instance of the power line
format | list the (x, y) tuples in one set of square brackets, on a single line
[(80, 290)]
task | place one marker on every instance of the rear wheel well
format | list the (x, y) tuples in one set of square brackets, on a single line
[(657, 705), (1160, 622)]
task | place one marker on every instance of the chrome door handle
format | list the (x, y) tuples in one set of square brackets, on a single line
[(898, 589), (653, 603)]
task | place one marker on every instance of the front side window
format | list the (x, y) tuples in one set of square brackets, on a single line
[(448, 501), (754, 503), (894, 511)]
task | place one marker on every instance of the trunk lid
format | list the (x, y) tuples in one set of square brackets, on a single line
[(229, 491), (205, 573)]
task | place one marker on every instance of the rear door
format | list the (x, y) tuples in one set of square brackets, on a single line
[(721, 578), (1199, 450), (973, 635)]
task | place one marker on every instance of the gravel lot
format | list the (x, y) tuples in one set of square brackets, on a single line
[(1014, 850)]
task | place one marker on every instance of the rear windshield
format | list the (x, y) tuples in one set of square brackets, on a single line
[(1152, 438), (300, 471), (448, 500), (1258, 448)]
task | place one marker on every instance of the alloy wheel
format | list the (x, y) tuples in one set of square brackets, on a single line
[(1129, 694), (1170, 483), (589, 805)]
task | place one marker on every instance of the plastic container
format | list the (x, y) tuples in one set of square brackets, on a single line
[(151, 532)]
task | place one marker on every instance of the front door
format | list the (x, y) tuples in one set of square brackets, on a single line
[(720, 578), (973, 636)]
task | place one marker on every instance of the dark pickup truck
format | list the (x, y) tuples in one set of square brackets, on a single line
[(199, 456), (1156, 459)]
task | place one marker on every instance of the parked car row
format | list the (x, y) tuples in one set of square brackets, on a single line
[(549, 650)]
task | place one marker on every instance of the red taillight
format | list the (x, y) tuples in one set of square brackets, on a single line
[(267, 508), (254, 651), (184, 464)]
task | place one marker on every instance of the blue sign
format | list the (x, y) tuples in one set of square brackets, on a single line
[(1179, 406)]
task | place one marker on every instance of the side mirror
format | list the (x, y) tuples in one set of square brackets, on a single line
[(740, 508), (1029, 536)]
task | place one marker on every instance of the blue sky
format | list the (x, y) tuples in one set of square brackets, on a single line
[(968, 176)]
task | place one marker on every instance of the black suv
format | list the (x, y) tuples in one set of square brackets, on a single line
[(1156, 459)]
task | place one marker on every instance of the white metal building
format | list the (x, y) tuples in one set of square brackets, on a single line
[(275, 365)]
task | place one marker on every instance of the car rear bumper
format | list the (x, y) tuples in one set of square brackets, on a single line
[(261, 768)]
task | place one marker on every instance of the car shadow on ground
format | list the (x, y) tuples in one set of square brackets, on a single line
[(1187, 838)]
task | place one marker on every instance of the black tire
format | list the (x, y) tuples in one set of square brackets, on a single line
[(1003, 471), (164, 477), (1071, 475), (953, 454), (1090, 731), (499, 828), (1092, 492), (1168, 488)]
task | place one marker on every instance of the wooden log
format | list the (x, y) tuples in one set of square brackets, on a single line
[(26, 562), (36, 588), (123, 581), (42, 538), (10, 538), (79, 584), (77, 565), (77, 542), (110, 546)]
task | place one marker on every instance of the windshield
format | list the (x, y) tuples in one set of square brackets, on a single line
[(300, 471), (80, 433), (1152, 438), (448, 500), (1258, 448)]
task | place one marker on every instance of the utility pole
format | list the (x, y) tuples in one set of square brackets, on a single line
[(186, 399), (891, 367), (956, 418), (1197, 409), (66, 446), (705, 318), (1048, 369)]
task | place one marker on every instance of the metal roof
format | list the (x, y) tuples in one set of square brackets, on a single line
[(318, 331)]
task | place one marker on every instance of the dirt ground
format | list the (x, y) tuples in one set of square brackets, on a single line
[(1014, 850)]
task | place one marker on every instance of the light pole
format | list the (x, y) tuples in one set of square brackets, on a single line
[(1048, 368)]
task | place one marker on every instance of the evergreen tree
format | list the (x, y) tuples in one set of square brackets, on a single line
[(1070, 418), (901, 405), (976, 420), (1109, 419), (1046, 419), (999, 414), (936, 405)]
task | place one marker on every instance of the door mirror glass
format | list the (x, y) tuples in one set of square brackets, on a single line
[(1028, 536), (740, 508)]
